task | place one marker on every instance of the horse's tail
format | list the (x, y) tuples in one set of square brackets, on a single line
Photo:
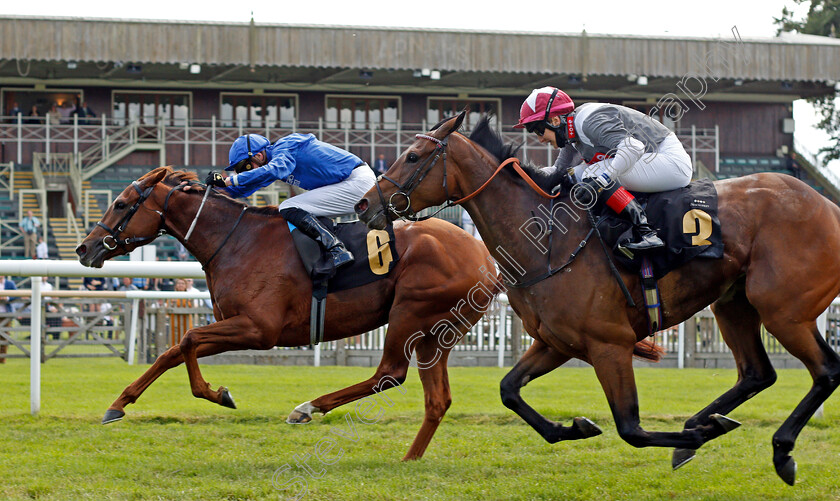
[(647, 349)]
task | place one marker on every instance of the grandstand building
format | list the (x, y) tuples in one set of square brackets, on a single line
[(174, 93)]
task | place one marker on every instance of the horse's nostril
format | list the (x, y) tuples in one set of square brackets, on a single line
[(362, 206), (80, 250)]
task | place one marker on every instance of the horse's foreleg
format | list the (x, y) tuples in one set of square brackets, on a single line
[(740, 327), (431, 364), (614, 367), (538, 360), (169, 359), (236, 333)]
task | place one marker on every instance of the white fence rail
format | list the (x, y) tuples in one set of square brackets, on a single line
[(498, 332)]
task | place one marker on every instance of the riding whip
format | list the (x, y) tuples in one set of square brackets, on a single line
[(192, 226)]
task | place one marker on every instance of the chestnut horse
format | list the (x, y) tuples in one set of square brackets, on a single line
[(781, 267), (261, 293)]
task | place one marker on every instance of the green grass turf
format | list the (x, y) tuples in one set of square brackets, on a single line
[(173, 446)]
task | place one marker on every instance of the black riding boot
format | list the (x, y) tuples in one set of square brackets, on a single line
[(623, 203), (648, 239), (312, 227)]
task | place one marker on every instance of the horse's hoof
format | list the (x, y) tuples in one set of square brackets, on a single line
[(587, 427), (723, 422), (297, 417), (681, 457), (227, 399), (112, 415), (302, 413), (787, 471)]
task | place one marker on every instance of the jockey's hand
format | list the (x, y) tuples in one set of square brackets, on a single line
[(214, 179)]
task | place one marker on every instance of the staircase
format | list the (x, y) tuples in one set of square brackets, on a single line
[(65, 234), (119, 144)]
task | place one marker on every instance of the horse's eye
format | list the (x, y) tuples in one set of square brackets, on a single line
[(119, 205), (412, 157)]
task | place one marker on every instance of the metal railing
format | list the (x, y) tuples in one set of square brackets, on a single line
[(101, 138), (7, 178), (100, 328)]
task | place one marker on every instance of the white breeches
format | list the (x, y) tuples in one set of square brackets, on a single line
[(336, 199), (668, 168)]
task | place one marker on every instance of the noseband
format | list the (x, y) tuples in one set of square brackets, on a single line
[(405, 190), (111, 241)]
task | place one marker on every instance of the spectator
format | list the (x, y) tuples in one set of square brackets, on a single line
[(93, 284), (179, 323), (381, 165), (34, 115), (127, 285), (141, 283), (6, 306), (41, 250), (54, 115), (29, 227), (84, 112), (105, 307), (191, 285), (66, 112), (15, 111), (183, 255)]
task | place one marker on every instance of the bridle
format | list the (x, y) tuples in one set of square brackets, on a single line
[(414, 180), (114, 234), (390, 210)]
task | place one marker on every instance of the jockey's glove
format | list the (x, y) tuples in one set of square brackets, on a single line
[(214, 179)]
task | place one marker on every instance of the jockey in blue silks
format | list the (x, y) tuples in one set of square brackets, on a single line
[(335, 180)]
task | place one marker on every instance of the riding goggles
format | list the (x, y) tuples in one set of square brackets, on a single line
[(537, 127)]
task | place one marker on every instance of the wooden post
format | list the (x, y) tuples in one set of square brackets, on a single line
[(160, 332), (516, 339), (690, 342), (341, 352)]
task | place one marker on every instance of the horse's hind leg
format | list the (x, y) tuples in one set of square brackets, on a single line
[(805, 342), (392, 370), (613, 365), (431, 364), (740, 327), (538, 360)]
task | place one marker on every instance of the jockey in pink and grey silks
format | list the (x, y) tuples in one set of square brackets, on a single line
[(609, 147)]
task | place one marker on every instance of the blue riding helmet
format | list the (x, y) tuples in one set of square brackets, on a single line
[(245, 147)]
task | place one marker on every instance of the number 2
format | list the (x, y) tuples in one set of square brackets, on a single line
[(699, 222)]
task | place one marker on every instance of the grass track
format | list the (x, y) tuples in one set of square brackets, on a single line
[(173, 446)]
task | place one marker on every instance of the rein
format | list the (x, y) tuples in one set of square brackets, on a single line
[(440, 151), (115, 233)]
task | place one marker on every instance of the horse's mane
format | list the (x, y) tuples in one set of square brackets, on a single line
[(488, 138), (173, 178)]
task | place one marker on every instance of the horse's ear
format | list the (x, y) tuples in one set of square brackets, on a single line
[(453, 123), (155, 176)]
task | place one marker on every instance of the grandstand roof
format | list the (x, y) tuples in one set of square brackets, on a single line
[(252, 53)]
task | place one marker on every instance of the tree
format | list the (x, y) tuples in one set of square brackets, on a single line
[(823, 19)]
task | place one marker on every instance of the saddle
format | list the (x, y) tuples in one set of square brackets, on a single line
[(685, 219), (375, 252)]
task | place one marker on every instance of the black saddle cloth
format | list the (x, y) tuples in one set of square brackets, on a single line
[(685, 219), (375, 254)]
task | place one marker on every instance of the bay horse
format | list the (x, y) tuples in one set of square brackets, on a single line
[(261, 293), (781, 267)]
